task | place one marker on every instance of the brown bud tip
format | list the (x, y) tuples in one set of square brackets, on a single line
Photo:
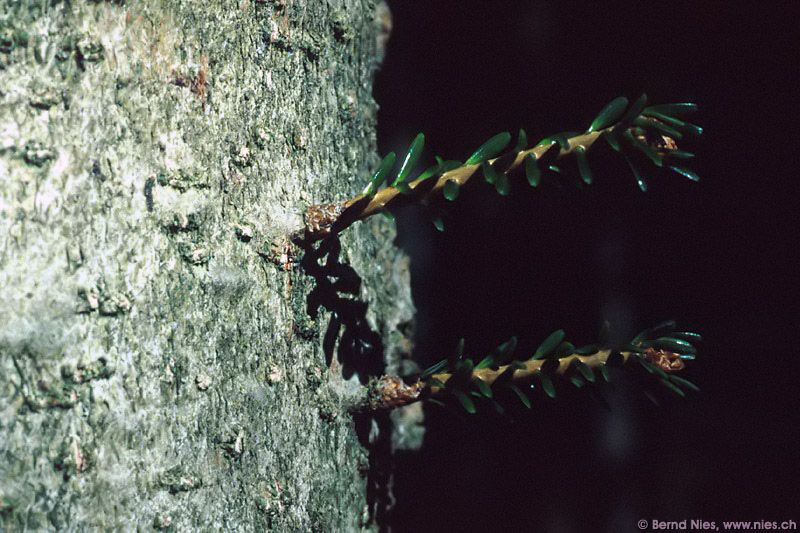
[(666, 361), (390, 391), (319, 218)]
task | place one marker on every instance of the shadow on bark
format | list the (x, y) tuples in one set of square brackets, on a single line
[(360, 349), (359, 352)]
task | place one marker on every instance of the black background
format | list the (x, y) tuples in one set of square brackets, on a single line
[(719, 256)]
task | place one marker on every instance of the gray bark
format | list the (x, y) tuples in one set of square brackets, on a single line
[(158, 367)]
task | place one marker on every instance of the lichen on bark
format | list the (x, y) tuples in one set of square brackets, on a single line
[(158, 366)]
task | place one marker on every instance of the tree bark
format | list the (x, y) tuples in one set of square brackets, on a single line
[(162, 348)]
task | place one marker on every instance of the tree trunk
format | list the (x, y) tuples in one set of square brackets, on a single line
[(162, 349)]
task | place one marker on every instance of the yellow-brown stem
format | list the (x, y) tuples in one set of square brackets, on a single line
[(320, 219), (463, 173), (533, 367), (390, 392)]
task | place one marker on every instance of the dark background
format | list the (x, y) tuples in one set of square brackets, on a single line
[(719, 256)]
